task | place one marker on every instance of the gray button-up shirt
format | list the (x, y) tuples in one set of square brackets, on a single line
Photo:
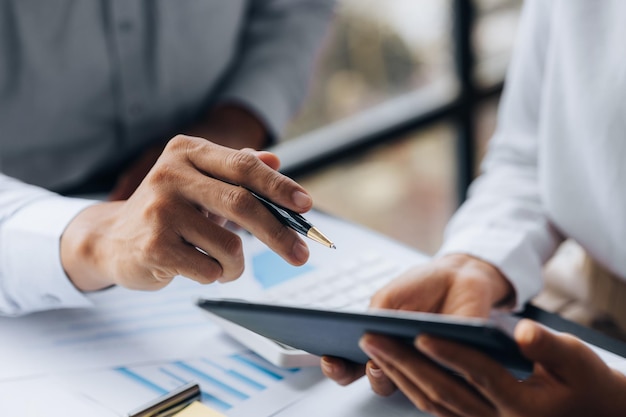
[(86, 84)]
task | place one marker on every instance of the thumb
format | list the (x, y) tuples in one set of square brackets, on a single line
[(556, 353)]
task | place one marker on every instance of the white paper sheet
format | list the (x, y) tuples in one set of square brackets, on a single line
[(87, 361), (236, 384), (130, 327), (46, 397), (356, 400), (126, 327)]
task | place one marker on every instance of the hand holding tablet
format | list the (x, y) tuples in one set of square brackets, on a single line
[(337, 333)]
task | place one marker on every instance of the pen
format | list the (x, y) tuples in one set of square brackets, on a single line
[(295, 221), (171, 403)]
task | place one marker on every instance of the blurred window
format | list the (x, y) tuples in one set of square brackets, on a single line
[(376, 51), (494, 36)]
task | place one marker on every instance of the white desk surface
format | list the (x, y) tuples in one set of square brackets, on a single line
[(108, 360)]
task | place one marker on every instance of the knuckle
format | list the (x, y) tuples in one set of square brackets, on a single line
[(233, 247), (238, 201), (177, 143), (158, 175), (209, 272), (185, 145), (164, 174), (276, 182), (158, 214), (242, 164)]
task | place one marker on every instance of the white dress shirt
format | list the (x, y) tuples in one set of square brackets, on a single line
[(85, 85), (556, 166)]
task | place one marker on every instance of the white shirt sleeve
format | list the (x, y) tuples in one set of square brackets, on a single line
[(503, 222), (32, 221)]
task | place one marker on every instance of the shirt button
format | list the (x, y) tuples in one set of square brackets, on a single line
[(51, 300)]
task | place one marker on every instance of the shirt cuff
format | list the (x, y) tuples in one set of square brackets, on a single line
[(33, 276), (507, 250)]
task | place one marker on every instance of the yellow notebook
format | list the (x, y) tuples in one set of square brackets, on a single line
[(197, 409)]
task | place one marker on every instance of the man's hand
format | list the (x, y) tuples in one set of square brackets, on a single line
[(227, 125), (454, 284), (172, 224), (568, 379)]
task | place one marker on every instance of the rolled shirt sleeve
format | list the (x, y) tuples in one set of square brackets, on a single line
[(32, 277), (278, 46), (504, 221)]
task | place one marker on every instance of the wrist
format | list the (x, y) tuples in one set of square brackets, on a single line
[(499, 290), (80, 254)]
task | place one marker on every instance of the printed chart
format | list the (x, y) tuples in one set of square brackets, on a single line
[(237, 384)]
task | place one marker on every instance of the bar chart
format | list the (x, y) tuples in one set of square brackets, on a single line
[(237, 384)]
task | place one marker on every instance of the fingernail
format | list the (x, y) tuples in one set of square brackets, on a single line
[(301, 251), (328, 368), (302, 200), (375, 371), (369, 349), (526, 333), (424, 344)]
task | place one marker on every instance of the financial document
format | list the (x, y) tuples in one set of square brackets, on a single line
[(236, 384), (134, 346)]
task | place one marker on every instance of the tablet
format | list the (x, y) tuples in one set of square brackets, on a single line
[(337, 333)]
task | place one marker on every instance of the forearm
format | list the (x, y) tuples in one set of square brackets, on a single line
[(504, 222)]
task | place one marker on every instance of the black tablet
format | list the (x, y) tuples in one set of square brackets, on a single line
[(337, 333)]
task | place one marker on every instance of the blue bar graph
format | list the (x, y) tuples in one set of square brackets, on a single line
[(264, 370), (216, 382), (173, 375), (225, 381), (206, 397), (251, 382), (142, 381)]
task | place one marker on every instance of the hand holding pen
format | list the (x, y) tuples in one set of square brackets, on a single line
[(147, 240)]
